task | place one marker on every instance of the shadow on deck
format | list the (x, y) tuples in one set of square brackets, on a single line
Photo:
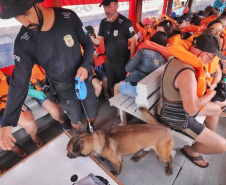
[(148, 171)]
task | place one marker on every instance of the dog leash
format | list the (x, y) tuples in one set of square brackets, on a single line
[(77, 90)]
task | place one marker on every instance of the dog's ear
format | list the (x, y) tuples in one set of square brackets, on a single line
[(81, 142), (80, 128), (77, 147)]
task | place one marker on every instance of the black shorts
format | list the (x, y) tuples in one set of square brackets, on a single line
[(194, 127), (72, 106), (115, 74), (101, 75)]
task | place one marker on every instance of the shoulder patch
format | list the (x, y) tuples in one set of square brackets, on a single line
[(66, 15), (25, 36), (156, 62), (131, 29)]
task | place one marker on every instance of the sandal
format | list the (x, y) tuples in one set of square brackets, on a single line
[(40, 144), (2, 170), (195, 159), (22, 152)]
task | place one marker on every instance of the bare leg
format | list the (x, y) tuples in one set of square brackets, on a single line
[(97, 86), (19, 151), (54, 110), (208, 142), (105, 88), (116, 91), (28, 123)]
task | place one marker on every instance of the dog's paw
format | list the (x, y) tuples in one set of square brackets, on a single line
[(114, 173), (169, 171), (102, 158), (135, 158)]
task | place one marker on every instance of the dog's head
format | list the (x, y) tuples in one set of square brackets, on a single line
[(81, 144)]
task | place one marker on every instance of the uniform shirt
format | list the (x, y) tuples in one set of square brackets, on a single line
[(116, 35), (57, 51)]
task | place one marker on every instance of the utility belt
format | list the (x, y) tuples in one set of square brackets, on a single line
[(62, 86)]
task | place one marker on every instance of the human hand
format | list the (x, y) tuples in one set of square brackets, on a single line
[(82, 73), (6, 138), (211, 92), (207, 74), (95, 55)]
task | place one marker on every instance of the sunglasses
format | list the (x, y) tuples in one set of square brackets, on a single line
[(180, 21), (211, 59)]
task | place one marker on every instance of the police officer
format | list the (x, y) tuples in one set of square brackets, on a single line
[(116, 30), (50, 37)]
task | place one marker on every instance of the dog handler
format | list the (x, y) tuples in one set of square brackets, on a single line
[(50, 37)]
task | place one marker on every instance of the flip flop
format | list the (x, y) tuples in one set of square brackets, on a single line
[(194, 159), (40, 144), (23, 153)]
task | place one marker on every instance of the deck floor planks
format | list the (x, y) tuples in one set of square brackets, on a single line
[(151, 171)]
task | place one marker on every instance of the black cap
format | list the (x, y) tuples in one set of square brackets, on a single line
[(201, 13), (183, 18), (107, 2), (209, 43), (13, 8)]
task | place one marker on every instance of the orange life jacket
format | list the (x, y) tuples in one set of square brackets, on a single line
[(171, 40), (147, 34), (211, 68), (101, 59), (223, 42), (189, 40), (38, 74), (154, 46), (4, 87), (191, 28), (207, 20), (179, 49)]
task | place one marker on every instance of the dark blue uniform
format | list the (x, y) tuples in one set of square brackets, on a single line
[(58, 52)]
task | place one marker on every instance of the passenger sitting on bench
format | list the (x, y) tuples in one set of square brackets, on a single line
[(184, 96), (38, 76), (26, 119), (144, 62)]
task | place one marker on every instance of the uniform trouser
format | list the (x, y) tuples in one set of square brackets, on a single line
[(72, 106), (115, 74)]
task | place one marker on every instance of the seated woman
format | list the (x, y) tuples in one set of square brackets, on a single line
[(26, 119), (145, 61), (38, 76)]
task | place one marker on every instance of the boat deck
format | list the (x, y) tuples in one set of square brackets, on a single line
[(148, 171)]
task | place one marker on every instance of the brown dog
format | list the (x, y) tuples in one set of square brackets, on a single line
[(125, 140)]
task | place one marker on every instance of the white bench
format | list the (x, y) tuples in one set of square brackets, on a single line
[(148, 93)]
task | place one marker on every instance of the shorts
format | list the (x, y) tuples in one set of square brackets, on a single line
[(126, 88), (2, 112), (115, 74), (101, 75), (194, 128), (41, 101), (72, 106), (28, 108)]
